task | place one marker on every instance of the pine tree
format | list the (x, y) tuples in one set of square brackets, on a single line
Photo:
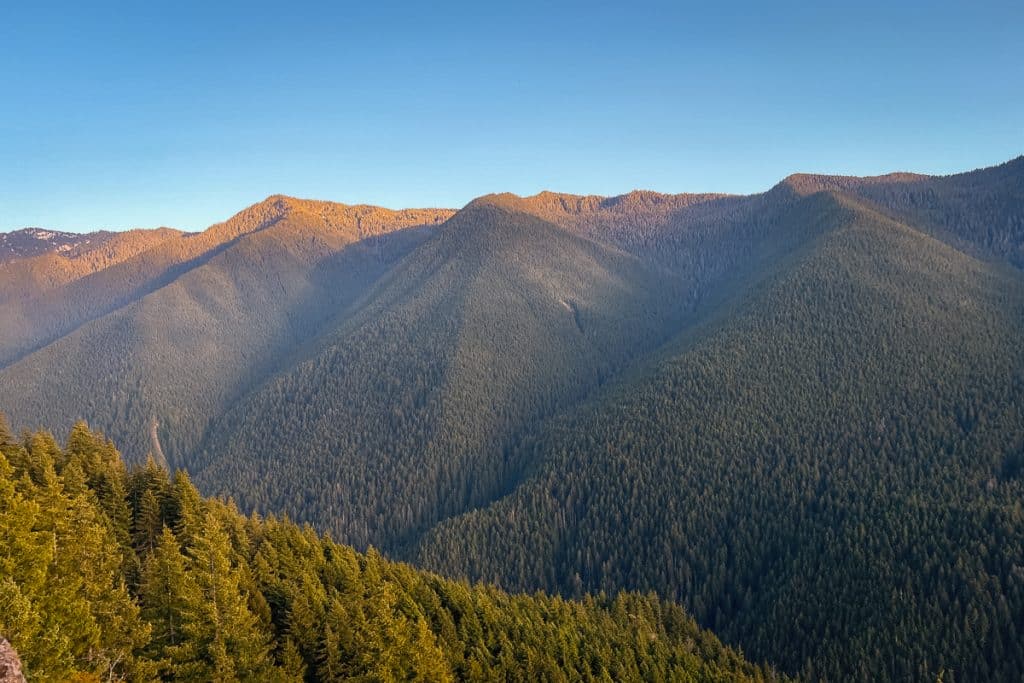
[(5, 431), (25, 557), (167, 592), (147, 523), (187, 509), (293, 667), (330, 660), (225, 634), (87, 591), (105, 474), (43, 454)]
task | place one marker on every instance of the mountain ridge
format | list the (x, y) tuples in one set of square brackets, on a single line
[(45, 314), (560, 287), (614, 521), (716, 397), (238, 308)]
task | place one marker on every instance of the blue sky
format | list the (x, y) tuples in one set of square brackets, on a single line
[(179, 114)]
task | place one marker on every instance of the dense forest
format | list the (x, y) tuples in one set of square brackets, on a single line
[(829, 475), (797, 414), (115, 573), (214, 312), (500, 321)]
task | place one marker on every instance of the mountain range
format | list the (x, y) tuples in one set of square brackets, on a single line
[(799, 413)]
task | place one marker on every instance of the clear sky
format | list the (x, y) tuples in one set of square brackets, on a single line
[(173, 113)]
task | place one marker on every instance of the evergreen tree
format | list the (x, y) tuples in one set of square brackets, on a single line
[(167, 593), (265, 600), (222, 633), (148, 523)]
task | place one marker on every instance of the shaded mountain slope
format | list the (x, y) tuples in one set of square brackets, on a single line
[(707, 240), (829, 474), (668, 230), (401, 416), (179, 356), (981, 211)]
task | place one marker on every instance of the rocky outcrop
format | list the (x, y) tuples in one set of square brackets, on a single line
[(10, 664)]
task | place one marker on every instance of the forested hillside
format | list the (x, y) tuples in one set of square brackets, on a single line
[(171, 360), (40, 315), (498, 323), (829, 474), (36, 261), (981, 211), (108, 573), (796, 413), (408, 407)]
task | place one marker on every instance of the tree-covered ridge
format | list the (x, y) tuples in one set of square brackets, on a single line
[(980, 211), (830, 474), (696, 236), (109, 574), (801, 411), (169, 361), (39, 315), (407, 408)]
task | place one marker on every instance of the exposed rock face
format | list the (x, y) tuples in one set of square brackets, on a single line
[(10, 664)]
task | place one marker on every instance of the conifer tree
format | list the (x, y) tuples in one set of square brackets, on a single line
[(167, 593), (25, 556), (148, 523), (226, 636), (187, 509)]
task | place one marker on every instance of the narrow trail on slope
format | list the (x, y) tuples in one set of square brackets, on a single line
[(158, 452)]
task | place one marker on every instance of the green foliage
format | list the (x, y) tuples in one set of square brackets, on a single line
[(496, 323), (221, 597), (824, 462), (151, 348), (826, 475), (62, 571)]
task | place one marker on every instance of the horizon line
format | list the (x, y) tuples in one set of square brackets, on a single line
[(1017, 158)]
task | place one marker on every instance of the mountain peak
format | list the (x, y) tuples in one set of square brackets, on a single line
[(28, 242)]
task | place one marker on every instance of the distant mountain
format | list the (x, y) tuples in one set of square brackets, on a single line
[(839, 448), (35, 241), (81, 253), (495, 323), (37, 292), (981, 211), (60, 258), (162, 342), (795, 412)]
